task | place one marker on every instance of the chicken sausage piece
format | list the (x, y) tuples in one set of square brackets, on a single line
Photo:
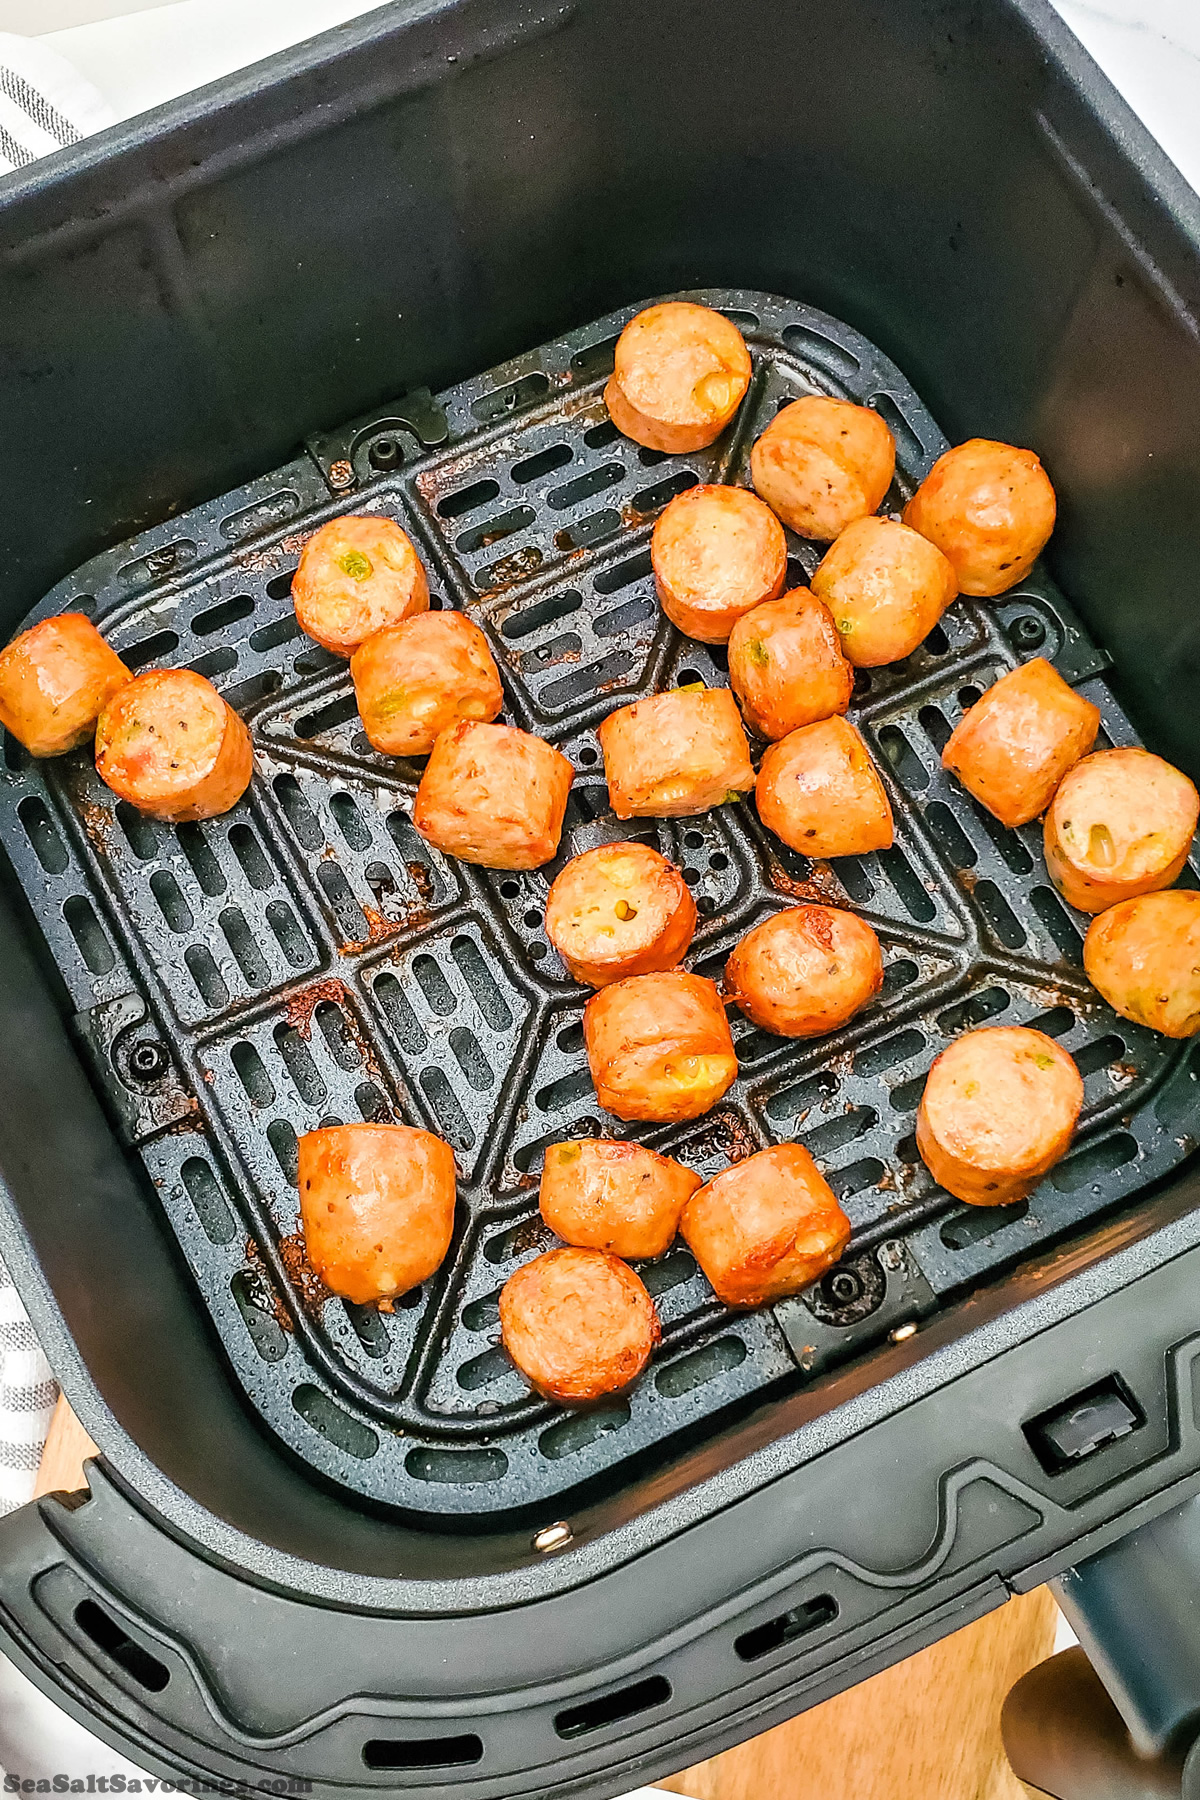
[(805, 971), (823, 463), (886, 587), (1144, 957), (659, 1046), (818, 790), (766, 1227), (170, 745), (418, 678), (676, 753), (1120, 825), (717, 551), (1014, 746), (786, 665), (55, 681), (356, 575), (990, 510), (998, 1111), (617, 1197), (620, 910), (679, 374), (493, 795), (578, 1324), (377, 1207)]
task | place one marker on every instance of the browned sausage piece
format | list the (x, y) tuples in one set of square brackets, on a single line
[(1120, 825), (717, 551), (818, 791), (766, 1227), (822, 463), (170, 745), (786, 665), (418, 678), (623, 1198), (1014, 746), (805, 971), (676, 753), (990, 510), (659, 1046), (886, 587), (998, 1111), (377, 1207), (1144, 957), (356, 575), (578, 1324), (679, 374), (620, 910), (493, 795), (55, 681)]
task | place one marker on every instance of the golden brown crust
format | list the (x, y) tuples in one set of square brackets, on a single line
[(604, 1195), (618, 910), (377, 1207), (170, 745), (674, 754), (766, 1227), (990, 509), (786, 665), (1120, 825), (805, 971), (886, 587), (680, 372), (55, 681), (717, 552), (819, 791), (357, 574), (493, 795), (578, 1324), (414, 680), (1144, 957), (823, 463), (1014, 746), (659, 1046)]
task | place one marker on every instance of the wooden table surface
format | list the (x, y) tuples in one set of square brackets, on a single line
[(927, 1729)]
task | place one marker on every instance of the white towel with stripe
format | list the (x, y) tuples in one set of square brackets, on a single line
[(45, 104), (27, 1395)]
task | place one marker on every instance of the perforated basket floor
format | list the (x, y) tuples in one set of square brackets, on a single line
[(308, 959)]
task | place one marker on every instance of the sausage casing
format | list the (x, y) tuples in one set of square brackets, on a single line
[(819, 791), (1014, 746), (659, 1046), (676, 753), (618, 910), (766, 1227), (55, 681), (578, 1324), (786, 665), (377, 1207), (603, 1195), (493, 795)]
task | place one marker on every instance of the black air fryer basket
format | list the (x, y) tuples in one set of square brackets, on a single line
[(349, 1548)]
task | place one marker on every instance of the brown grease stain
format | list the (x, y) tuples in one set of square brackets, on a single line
[(293, 1252), (301, 1007), (822, 885), (97, 822)]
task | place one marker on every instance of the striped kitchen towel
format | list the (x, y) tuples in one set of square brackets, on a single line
[(45, 104), (28, 1392)]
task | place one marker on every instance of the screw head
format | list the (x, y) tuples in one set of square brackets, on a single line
[(384, 453), (148, 1061), (553, 1537), (341, 474)]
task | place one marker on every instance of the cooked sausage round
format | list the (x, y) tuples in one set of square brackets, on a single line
[(1144, 957), (990, 510), (1014, 746), (418, 678), (822, 463), (170, 745), (717, 551), (578, 1324), (886, 587), (805, 971), (679, 374), (998, 1111), (623, 1198), (55, 681), (1120, 824), (356, 575), (377, 1207), (786, 664), (766, 1227), (620, 910), (676, 753), (493, 795), (818, 790), (659, 1046)]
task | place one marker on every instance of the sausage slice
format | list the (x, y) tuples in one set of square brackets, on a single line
[(418, 678), (990, 509), (717, 551), (578, 1324), (659, 1046), (823, 463), (493, 795), (1144, 957), (623, 1198), (998, 1111), (620, 910), (170, 745), (674, 754), (357, 574), (766, 1227), (786, 664), (886, 587), (377, 1207), (55, 681), (679, 374), (818, 790), (805, 971), (1014, 746), (1120, 824)]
